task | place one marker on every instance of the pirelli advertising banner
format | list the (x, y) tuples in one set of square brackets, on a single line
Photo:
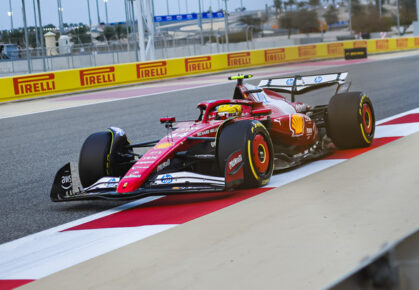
[(29, 86)]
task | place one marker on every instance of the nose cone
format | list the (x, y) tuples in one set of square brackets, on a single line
[(128, 185)]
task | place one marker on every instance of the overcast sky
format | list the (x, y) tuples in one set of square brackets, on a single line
[(75, 11)]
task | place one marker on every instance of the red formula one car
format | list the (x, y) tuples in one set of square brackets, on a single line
[(236, 143)]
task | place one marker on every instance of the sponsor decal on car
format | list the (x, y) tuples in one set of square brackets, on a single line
[(275, 55), (149, 158), (318, 79), (235, 161), (164, 145), (290, 82), (34, 84), (202, 63), (234, 170), (206, 132), (97, 76), (179, 134), (296, 125), (66, 182), (145, 162), (136, 167), (130, 175), (238, 59), (104, 183), (167, 179), (151, 69), (112, 182), (163, 165)]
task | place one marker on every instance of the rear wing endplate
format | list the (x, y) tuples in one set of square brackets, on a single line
[(297, 84)]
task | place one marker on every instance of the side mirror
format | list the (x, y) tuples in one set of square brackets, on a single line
[(168, 120)]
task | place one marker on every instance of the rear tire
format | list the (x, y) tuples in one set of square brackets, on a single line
[(351, 120), (252, 138), (93, 158)]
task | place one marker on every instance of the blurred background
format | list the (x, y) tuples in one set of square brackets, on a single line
[(46, 35)]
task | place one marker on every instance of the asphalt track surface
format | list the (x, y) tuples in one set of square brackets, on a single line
[(34, 146)]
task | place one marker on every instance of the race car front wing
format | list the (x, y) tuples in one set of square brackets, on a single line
[(67, 185)]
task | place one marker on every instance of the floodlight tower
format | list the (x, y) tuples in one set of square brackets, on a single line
[(226, 24), (36, 25), (41, 35), (10, 13), (60, 16), (144, 14), (106, 11), (98, 14), (28, 56)]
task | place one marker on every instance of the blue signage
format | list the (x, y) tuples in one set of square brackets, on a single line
[(186, 17)]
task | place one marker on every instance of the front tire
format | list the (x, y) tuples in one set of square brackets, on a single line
[(93, 158), (351, 120), (252, 138)]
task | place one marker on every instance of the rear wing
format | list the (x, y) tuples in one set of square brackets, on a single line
[(298, 85)]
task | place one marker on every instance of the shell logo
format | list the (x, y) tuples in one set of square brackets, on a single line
[(296, 124)]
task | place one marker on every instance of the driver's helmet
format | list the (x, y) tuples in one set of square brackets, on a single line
[(228, 111)]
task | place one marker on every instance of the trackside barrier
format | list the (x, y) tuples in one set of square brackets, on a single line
[(35, 85)]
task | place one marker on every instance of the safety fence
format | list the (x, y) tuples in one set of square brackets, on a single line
[(35, 85)]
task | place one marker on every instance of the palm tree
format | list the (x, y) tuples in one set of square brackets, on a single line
[(278, 7), (291, 3)]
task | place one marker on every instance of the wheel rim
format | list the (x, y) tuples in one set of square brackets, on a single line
[(260, 153), (367, 121)]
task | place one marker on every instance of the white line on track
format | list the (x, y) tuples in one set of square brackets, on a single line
[(413, 111), (60, 250)]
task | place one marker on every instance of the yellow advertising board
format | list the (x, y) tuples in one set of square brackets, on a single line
[(52, 83)]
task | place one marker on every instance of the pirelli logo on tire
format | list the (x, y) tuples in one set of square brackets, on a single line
[(28, 85)]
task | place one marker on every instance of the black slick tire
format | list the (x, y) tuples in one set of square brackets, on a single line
[(93, 157), (253, 139), (351, 120)]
